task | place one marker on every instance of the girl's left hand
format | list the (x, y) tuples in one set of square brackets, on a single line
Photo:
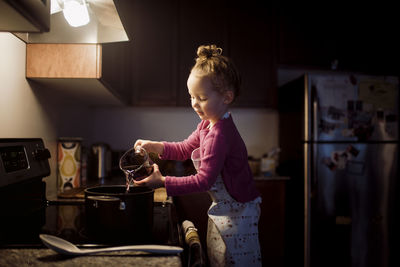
[(155, 180)]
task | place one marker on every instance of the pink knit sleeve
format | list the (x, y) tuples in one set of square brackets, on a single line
[(214, 151), (181, 150)]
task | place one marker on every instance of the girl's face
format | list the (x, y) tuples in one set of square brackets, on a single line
[(208, 103)]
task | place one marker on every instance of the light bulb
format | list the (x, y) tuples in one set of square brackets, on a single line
[(76, 13)]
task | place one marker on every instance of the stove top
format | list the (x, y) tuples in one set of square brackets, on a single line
[(68, 222), (25, 212)]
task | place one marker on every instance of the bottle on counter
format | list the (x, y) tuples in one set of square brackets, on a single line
[(269, 162)]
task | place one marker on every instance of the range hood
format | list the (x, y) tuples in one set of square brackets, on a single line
[(25, 15), (105, 26)]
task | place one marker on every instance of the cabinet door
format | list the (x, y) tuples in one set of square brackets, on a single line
[(245, 32), (199, 24), (116, 72), (314, 40), (307, 39), (153, 72), (252, 47), (272, 221), (63, 61)]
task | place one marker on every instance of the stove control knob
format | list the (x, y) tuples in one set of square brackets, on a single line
[(41, 154)]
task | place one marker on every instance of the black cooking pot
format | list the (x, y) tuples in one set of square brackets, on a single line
[(116, 216)]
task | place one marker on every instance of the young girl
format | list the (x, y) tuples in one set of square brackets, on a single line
[(232, 235)]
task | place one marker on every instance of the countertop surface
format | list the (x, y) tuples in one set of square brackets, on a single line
[(271, 178), (47, 257), (78, 194)]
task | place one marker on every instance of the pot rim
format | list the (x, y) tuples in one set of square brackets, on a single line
[(145, 192)]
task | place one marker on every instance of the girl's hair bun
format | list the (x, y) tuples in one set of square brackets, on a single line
[(223, 73), (208, 51)]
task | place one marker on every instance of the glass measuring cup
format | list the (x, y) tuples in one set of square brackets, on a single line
[(136, 165)]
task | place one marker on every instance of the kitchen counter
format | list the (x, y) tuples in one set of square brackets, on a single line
[(271, 178), (272, 218), (78, 195), (47, 257)]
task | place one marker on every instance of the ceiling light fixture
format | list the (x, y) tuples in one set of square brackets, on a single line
[(75, 12)]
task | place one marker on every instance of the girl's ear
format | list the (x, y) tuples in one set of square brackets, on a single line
[(228, 96)]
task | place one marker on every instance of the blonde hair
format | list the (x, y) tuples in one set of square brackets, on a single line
[(211, 63)]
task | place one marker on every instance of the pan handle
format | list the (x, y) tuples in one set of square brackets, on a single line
[(122, 205)]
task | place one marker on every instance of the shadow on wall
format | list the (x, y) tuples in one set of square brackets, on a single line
[(69, 119)]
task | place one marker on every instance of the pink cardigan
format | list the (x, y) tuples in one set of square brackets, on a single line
[(223, 152)]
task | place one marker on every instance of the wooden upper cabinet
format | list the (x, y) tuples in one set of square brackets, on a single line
[(199, 24), (72, 72), (252, 31), (245, 32), (345, 39), (152, 72), (63, 61), (152, 68)]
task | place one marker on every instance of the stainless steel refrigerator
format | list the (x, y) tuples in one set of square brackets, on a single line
[(344, 129)]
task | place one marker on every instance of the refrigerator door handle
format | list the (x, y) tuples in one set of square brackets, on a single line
[(314, 133)]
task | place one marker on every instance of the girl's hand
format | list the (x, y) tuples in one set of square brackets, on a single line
[(150, 146), (155, 180)]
